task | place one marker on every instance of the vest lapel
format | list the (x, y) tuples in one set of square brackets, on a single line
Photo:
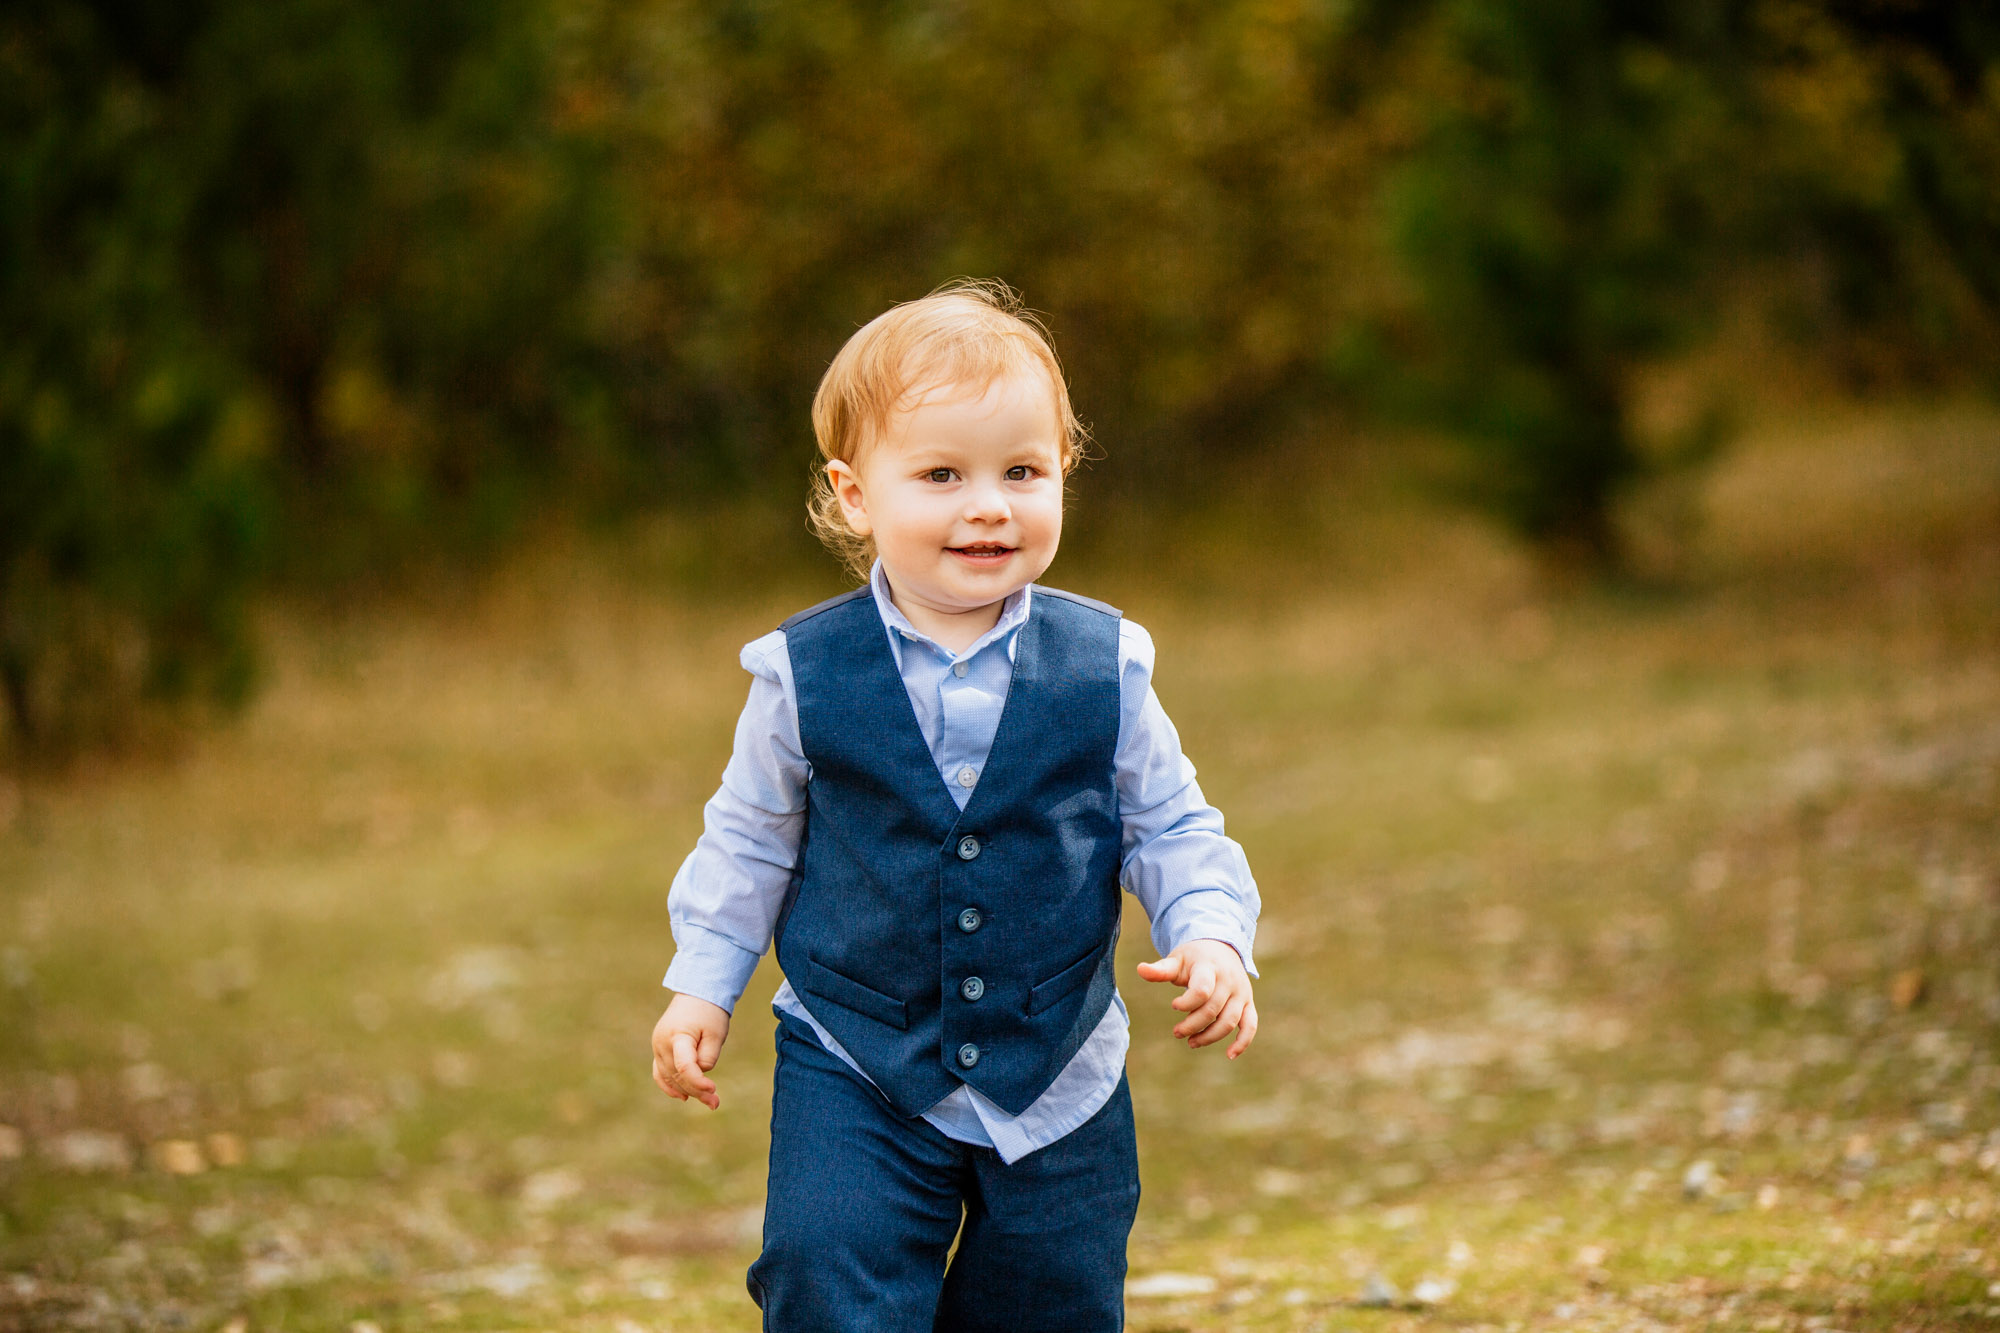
[(884, 704), (1002, 760)]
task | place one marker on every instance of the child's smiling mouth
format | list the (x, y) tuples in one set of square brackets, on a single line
[(982, 552)]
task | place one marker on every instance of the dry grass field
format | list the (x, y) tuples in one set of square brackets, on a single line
[(1631, 957)]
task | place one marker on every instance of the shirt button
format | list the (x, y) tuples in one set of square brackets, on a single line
[(959, 668), (968, 1055), (968, 847), (969, 920), (967, 776), (972, 988)]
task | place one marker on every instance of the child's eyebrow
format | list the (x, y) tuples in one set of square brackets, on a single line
[(930, 457)]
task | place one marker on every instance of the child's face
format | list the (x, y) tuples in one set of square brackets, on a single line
[(962, 493)]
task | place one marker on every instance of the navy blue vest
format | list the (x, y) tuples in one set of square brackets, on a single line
[(940, 946)]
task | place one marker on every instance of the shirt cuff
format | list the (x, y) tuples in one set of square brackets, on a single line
[(709, 966), (1189, 917)]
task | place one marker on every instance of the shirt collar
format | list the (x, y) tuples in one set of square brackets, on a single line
[(1013, 615)]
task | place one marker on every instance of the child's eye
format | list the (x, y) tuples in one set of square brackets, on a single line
[(1020, 472), (940, 475)]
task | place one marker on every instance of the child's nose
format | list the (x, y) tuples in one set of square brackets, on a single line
[(987, 502)]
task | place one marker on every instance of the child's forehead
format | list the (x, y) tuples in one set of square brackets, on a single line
[(935, 390), (897, 431), (903, 433)]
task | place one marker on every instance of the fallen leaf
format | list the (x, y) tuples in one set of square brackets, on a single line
[(178, 1157), (1908, 988)]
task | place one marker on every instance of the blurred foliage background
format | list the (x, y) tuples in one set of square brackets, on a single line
[(1556, 445), (313, 292)]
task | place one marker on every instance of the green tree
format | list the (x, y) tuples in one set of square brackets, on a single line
[(318, 285), (132, 453), (1553, 213), (312, 270), (1170, 183), (1879, 212), (1589, 185)]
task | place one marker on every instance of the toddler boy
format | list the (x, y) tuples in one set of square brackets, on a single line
[(940, 781)]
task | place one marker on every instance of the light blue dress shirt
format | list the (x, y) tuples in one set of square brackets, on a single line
[(1189, 876)]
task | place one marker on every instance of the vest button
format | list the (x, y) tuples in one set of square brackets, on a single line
[(968, 1055), (972, 988), (969, 920), (968, 847)]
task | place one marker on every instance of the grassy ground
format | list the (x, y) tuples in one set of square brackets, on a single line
[(1629, 958)]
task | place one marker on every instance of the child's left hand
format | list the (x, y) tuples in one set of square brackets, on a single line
[(1217, 1000)]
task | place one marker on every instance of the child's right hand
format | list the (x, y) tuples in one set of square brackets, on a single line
[(687, 1041)]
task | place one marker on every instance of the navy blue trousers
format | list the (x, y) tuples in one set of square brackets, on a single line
[(864, 1205)]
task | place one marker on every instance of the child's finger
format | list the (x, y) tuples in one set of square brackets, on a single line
[(1225, 1023), (1247, 1033), (1201, 985), (686, 1065), (666, 1083), (1199, 1020), (688, 1072), (1166, 969)]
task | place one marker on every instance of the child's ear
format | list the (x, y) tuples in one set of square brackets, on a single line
[(846, 484)]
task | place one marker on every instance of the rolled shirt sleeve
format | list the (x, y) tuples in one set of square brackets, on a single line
[(726, 897), (1190, 876)]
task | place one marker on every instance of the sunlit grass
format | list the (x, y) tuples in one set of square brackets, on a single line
[(340, 1015)]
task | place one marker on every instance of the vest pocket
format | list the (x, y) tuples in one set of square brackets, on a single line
[(1046, 993), (848, 993)]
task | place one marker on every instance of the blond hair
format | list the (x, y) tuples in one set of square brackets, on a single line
[(968, 332)]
